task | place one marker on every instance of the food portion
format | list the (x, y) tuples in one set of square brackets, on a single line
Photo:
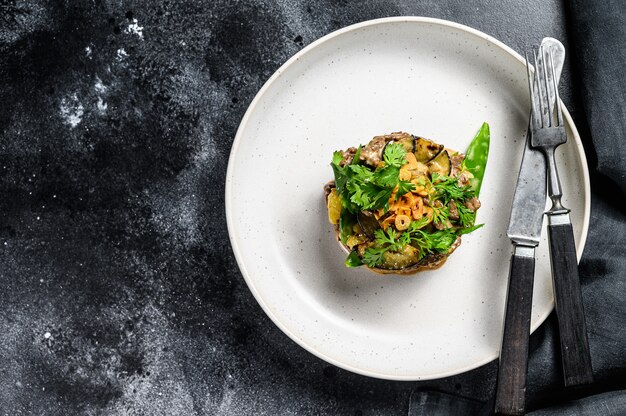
[(401, 203)]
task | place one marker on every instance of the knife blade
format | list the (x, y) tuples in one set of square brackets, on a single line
[(529, 200), (524, 231)]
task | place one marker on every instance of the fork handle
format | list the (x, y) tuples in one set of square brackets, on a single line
[(575, 354), (554, 184)]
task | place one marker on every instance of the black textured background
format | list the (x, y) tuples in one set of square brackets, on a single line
[(119, 293)]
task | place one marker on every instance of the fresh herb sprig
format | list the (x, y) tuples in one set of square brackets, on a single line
[(384, 241), (441, 214), (447, 188), (466, 216), (363, 188), (427, 242)]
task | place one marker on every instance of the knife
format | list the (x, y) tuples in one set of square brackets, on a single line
[(524, 231)]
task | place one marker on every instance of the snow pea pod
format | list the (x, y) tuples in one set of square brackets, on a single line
[(476, 157)]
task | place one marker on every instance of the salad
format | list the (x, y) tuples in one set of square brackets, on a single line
[(401, 203)]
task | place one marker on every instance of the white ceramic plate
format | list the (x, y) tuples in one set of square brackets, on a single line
[(432, 78)]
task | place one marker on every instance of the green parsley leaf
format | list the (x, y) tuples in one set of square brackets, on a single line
[(384, 241), (387, 176), (382, 237), (438, 241), (447, 188), (417, 224), (374, 256), (337, 157), (404, 187), (394, 155), (404, 239), (361, 172), (362, 194), (442, 240), (381, 199), (466, 216), (440, 214)]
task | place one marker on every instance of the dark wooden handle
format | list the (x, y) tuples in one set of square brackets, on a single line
[(511, 383), (575, 354)]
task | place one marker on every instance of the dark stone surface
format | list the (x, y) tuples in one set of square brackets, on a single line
[(119, 291)]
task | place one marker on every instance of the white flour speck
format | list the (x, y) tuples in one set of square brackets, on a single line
[(102, 106), (71, 111), (121, 54), (101, 89), (99, 86), (134, 28)]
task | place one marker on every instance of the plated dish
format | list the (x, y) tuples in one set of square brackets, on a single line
[(432, 77), (401, 203)]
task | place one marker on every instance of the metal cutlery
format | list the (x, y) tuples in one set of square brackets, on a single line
[(525, 233), (548, 132)]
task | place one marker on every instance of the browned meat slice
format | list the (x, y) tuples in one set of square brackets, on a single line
[(456, 160), (473, 204)]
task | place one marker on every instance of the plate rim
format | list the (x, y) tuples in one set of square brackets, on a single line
[(230, 174)]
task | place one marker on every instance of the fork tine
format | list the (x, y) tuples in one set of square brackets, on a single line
[(538, 71), (546, 72), (557, 99), (533, 109)]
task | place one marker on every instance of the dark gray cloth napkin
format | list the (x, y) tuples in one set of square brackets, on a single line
[(440, 404), (598, 30)]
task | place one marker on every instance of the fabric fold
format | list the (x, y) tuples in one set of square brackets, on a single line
[(598, 31)]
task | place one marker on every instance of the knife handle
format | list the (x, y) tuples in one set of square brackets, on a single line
[(511, 382), (575, 355)]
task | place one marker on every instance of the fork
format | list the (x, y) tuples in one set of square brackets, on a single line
[(548, 132)]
